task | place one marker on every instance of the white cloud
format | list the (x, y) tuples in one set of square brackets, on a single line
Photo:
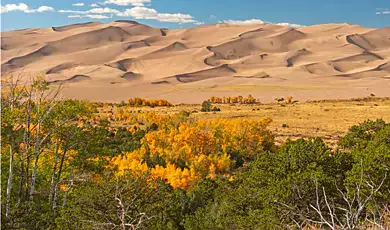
[(97, 16), (105, 10), (24, 8), (72, 11), (45, 9), (78, 4), (138, 12), (74, 16), (127, 2), (148, 13), (94, 5), (290, 25), (258, 21), (244, 22), (94, 16), (13, 7), (382, 11), (138, 4)]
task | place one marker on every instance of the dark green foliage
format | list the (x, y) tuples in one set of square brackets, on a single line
[(370, 148), (99, 205), (272, 182), (360, 135), (184, 113), (215, 109), (206, 106)]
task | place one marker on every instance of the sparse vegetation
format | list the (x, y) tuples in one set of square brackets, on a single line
[(137, 102), (232, 100)]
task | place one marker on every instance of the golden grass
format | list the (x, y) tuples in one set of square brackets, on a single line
[(327, 119)]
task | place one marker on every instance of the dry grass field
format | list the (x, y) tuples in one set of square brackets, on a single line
[(328, 119)]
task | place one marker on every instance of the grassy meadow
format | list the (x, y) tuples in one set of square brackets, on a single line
[(328, 119)]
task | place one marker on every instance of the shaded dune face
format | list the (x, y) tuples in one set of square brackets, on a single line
[(220, 71), (59, 68), (74, 79), (373, 40), (129, 52), (75, 26)]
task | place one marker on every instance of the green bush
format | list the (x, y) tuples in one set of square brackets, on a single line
[(215, 109), (184, 113), (206, 106)]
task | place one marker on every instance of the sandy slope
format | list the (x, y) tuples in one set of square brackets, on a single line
[(123, 59)]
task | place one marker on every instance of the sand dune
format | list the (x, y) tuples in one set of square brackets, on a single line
[(132, 59), (220, 71), (130, 76), (294, 55), (75, 26), (59, 68), (74, 79)]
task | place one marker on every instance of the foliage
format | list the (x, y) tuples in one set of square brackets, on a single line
[(69, 164), (206, 106), (137, 102), (190, 150), (236, 99), (215, 109)]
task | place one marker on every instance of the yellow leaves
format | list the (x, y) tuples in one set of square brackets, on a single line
[(174, 176), (63, 187), (143, 102), (184, 151), (212, 171), (129, 162)]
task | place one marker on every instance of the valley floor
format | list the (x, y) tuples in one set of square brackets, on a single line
[(328, 119)]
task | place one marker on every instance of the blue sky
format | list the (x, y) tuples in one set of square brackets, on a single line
[(187, 13)]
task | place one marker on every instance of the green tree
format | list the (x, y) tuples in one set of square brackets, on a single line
[(206, 106)]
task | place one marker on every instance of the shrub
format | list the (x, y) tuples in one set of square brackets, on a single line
[(184, 113), (206, 106), (215, 109)]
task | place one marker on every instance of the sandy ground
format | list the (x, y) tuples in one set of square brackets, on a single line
[(116, 61)]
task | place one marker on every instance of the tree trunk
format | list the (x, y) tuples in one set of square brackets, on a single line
[(55, 196), (36, 156), (9, 184), (53, 181), (27, 173), (21, 180), (24, 174)]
